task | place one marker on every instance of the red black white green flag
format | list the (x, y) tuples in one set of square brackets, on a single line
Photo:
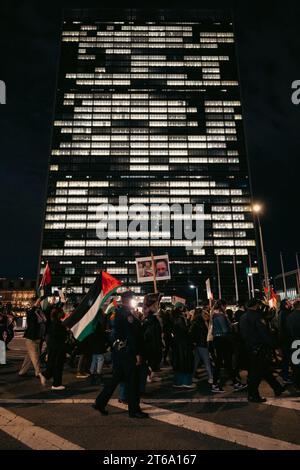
[(84, 318)]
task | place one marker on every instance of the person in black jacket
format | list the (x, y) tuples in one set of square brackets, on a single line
[(182, 351), (152, 333), (151, 341), (127, 349), (56, 346), (259, 343), (198, 332), (284, 339), (293, 331)]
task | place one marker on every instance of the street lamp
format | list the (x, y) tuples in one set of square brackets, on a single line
[(197, 296), (257, 208)]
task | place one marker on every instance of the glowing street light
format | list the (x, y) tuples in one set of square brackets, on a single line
[(197, 296), (257, 208)]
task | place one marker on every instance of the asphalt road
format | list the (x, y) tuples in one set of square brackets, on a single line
[(33, 417)]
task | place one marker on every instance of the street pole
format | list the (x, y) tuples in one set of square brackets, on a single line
[(283, 275), (235, 280), (219, 279), (298, 273), (154, 273), (263, 255), (248, 282), (251, 277), (197, 297)]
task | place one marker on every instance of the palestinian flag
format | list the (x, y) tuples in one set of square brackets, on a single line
[(44, 288), (84, 318), (111, 307)]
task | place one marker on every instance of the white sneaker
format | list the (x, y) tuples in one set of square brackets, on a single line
[(42, 379), (59, 387), (192, 386), (156, 379)]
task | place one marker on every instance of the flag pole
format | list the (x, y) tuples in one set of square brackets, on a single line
[(235, 280), (154, 273), (251, 277), (219, 280), (298, 273), (283, 274)]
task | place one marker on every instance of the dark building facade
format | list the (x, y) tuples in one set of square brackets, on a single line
[(148, 107)]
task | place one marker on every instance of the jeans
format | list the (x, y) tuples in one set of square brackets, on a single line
[(202, 354), (181, 378), (97, 363), (286, 356)]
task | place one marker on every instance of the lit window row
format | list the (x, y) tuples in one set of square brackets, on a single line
[(230, 252)]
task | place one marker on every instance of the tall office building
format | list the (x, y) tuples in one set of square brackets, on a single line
[(148, 107)]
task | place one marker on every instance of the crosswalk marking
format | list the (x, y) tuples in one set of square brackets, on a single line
[(226, 433), (32, 436), (38, 438), (290, 403)]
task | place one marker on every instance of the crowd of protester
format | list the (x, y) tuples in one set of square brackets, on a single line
[(222, 341)]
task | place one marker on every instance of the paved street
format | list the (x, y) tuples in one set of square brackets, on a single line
[(35, 418)]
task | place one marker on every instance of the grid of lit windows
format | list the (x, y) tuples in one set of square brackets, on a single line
[(148, 108)]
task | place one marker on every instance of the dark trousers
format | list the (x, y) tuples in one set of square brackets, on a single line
[(286, 357), (55, 365), (124, 370), (296, 375), (260, 368), (223, 356)]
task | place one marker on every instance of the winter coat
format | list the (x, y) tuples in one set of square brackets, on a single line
[(255, 332), (36, 324), (283, 329), (182, 350), (57, 335), (198, 332), (96, 342), (152, 341), (293, 325)]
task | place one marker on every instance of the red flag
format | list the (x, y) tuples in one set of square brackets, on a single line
[(46, 279), (109, 283)]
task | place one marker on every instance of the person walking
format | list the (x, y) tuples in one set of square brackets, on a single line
[(198, 333), (284, 339), (259, 343), (35, 331), (182, 351), (293, 330), (152, 335), (127, 348), (56, 347), (223, 348)]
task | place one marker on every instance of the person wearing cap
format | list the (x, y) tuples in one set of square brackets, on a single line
[(127, 349), (259, 344)]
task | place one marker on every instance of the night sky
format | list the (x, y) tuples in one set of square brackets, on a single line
[(268, 45)]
